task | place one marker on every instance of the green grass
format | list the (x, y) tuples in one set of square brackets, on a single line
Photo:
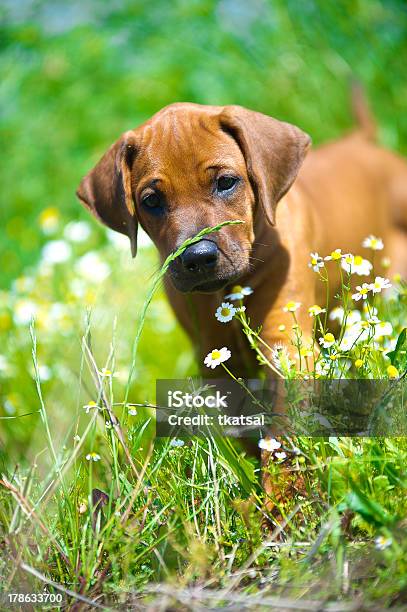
[(188, 524), (164, 521)]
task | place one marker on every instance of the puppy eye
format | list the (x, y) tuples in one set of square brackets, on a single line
[(226, 183), (153, 202)]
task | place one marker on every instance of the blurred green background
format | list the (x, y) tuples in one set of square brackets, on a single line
[(74, 76)]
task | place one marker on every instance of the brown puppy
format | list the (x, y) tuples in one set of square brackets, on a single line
[(191, 167)]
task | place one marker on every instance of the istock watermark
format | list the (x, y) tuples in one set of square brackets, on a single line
[(178, 399), (254, 407)]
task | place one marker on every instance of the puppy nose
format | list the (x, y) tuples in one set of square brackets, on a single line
[(200, 256)]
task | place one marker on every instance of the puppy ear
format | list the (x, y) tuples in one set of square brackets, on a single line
[(106, 189), (273, 150)]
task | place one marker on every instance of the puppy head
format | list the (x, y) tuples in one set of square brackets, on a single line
[(191, 167)]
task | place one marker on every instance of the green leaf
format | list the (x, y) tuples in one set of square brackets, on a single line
[(398, 357), (241, 467), (372, 512)]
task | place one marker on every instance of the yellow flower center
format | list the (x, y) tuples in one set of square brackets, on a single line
[(237, 289), (358, 363), (315, 309), (336, 255), (329, 338), (392, 371), (358, 260), (215, 354), (49, 215), (225, 312)]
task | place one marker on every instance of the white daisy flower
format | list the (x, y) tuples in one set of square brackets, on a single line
[(49, 220), (359, 332), (177, 443), (346, 343), (269, 444), (374, 243), (379, 284), (371, 320), (91, 406), (337, 314), (327, 341), (77, 231), (316, 262), (105, 373), (216, 357), (238, 293), (280, 456), (362, 292), (55, 252), (45, 373), (24, 311), (93, 457), (92, 268), (315, 310), (355, 264), (382, 543), (225, 312), (132, 411), (291, 306), (384, 328), (353, 317), (335, 255), (322, 367)]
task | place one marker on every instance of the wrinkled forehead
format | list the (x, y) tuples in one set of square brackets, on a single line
[(186, 141)]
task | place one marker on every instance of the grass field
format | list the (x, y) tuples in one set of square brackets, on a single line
[(89, 510)]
